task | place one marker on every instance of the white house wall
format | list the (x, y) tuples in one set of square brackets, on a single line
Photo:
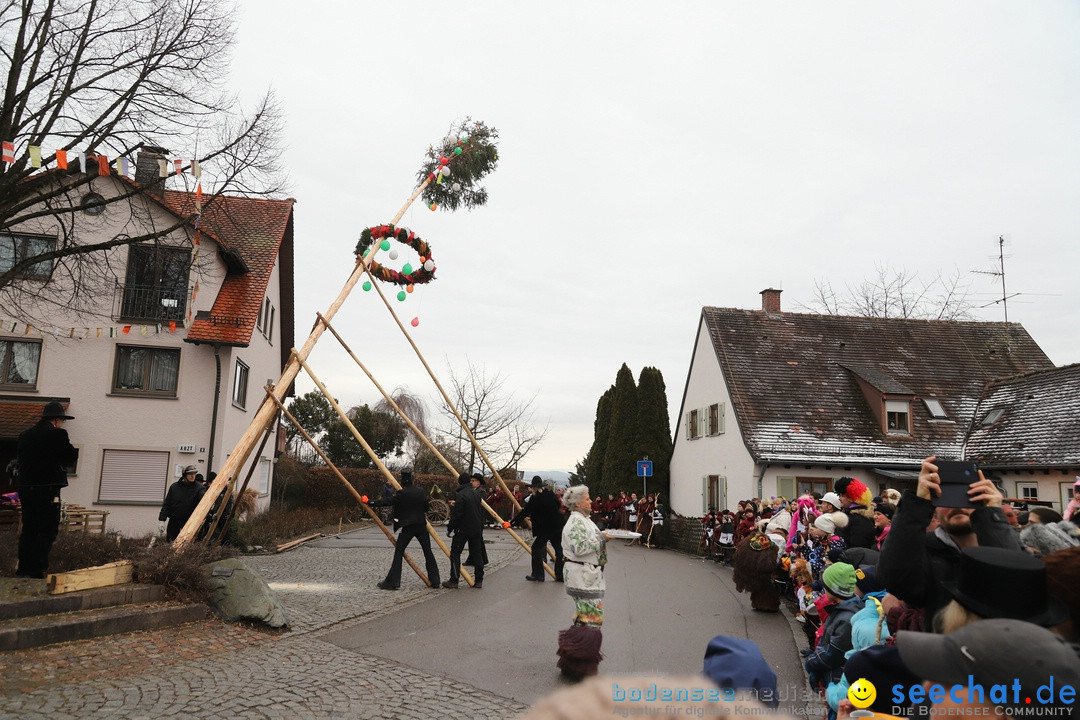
[(723, 455), (82, 369)]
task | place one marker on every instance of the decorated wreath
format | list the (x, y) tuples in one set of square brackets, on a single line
[(408, 276)]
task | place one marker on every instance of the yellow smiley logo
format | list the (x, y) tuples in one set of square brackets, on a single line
[(862, 693)]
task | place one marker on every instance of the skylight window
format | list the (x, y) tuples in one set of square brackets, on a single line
[(937, 412), (992, 417)]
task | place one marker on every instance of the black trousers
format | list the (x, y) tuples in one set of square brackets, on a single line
[(40, 524), (406, 535), (539, 552), (476, 549)]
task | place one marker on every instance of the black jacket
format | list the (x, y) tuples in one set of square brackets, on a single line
[(43, 452), (180, 501), (913, 562), (543, 510), (410, 505), (860, 531), (467, 517)]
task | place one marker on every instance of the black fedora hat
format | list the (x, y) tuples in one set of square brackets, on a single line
[(55, 410), (537, 482), (1000, 583)]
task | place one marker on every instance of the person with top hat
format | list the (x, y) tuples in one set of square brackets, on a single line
[(547, 526), (466, 527), (409, 508), (180, 501), (43, 451), (479, 485)]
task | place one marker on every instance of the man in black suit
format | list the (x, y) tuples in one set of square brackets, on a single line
[(547, 523), (410, 505), (43, 450), (467, 520)]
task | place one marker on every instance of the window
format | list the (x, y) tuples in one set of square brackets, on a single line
[(93, 204), (716, 419), (1027, 490), (16, 247), (137, 477), (715, 495), (812, 485), (19, 364), (156, 287), (265, 322), (239, 385), (693, 425), (146, 371), (898, 417), (937, 412), (992, 417)]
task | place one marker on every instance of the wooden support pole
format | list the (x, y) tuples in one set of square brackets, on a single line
[(230, 486), (359, 498), (374, 457), (412, 426), (268, 411)]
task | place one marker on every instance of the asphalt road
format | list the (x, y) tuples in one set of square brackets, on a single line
[(660, 611)]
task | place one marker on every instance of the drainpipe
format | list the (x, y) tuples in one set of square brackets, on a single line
[(761, 476), (213, 418)]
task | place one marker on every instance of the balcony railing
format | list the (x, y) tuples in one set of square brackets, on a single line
[(151, 304)]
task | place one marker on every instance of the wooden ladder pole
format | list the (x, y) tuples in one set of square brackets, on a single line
[(446, 463), (367, 508), (374, 457)]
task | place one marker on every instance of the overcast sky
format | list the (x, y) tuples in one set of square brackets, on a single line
[(659, 157)]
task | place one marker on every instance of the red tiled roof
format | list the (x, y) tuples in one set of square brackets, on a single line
[(18, 415), (254, 229)]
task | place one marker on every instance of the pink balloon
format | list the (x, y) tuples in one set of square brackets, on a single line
[(415, 321)]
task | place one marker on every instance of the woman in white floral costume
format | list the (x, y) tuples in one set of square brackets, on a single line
[(584, 551)]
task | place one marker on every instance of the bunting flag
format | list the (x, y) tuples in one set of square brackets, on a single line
[(8, 154), (61, 159), (82, 162), (102, 165), (196, 169), (35, 156), (179, 165), (163, 168), (172, 325), (122, 166), (127, 329)]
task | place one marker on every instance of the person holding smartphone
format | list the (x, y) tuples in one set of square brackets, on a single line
[(913, 562)]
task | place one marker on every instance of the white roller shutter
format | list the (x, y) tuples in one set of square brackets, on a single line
[(133, 476)]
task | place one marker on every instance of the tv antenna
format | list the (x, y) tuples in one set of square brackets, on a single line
[(1004, 299)]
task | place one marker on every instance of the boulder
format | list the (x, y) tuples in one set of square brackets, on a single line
[(238, 593)]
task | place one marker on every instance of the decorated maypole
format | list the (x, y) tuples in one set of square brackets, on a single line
[(448, 179)]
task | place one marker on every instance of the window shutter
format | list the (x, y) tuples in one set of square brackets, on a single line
[(689, 425), (704, 494), (133, 476), (703, 422), (720, 418), (785, 486)]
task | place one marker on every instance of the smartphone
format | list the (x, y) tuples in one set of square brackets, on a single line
[(956, 476)]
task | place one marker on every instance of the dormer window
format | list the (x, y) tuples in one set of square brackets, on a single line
[(898, 417), (937, 412)]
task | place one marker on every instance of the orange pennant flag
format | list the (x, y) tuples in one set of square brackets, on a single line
[(61, 159), (127, 329), (172, 326), (103, 165)]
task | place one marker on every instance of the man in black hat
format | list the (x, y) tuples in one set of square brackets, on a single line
[(467, 521), (547, 523), (410, 506), (43, 451), (180, 501)]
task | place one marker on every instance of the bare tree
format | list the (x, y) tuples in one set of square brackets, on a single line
[(416, 410), (502, 425), (893, 293), (106, 77)]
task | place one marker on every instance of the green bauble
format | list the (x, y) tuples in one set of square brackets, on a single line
[(384, 245), (406, 269), (366, 286), (401, 296)]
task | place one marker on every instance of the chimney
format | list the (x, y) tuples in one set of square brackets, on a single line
[(770, 301), (148, 171)]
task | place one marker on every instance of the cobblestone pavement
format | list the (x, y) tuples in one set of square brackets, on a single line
[(211, 669)]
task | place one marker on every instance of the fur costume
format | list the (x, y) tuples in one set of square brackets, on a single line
[(805, 512), (755, 567)]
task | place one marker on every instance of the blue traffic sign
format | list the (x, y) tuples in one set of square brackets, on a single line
[(644, 468)]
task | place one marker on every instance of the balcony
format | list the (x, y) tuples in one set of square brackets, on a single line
[(140, 303)]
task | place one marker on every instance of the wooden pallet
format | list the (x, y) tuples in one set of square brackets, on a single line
[(75, 519)]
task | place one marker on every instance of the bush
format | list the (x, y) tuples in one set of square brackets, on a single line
[(278, 524), (180, 571)]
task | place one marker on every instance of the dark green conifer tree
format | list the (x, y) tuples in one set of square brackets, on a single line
[(654, 429), (620, 463)]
